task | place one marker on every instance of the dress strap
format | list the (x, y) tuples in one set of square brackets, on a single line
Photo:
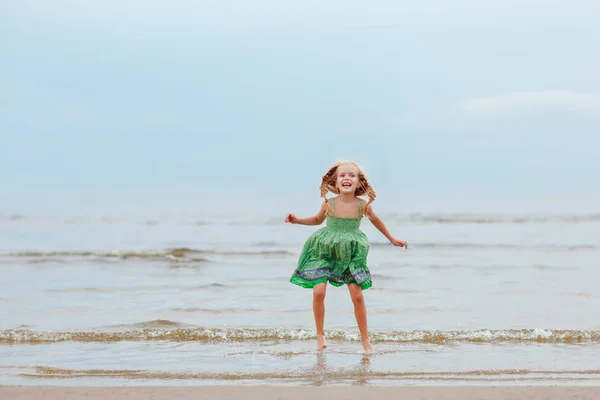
[(360, 210), (332, 207)]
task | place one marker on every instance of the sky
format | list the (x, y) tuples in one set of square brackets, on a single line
[(430, 97)]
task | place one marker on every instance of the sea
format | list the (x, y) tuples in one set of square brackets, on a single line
[(176, 288)]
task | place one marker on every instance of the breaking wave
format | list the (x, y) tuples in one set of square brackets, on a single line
[(170, 331)]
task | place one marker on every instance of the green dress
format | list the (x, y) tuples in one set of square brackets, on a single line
[(336, 253)]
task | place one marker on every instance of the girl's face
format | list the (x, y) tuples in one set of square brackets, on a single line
[(347, 178)]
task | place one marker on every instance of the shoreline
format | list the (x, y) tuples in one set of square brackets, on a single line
[(490, 392)]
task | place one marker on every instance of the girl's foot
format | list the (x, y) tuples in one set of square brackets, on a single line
[(367, 346), (321, 343)]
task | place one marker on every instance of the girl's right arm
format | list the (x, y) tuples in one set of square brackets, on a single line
[(314, 220)]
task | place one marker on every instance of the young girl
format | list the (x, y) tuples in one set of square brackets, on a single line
[(338, 252)]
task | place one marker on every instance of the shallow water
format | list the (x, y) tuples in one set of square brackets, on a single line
[(111, 292)]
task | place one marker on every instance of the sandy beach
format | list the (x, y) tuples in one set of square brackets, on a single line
[(301, 393)]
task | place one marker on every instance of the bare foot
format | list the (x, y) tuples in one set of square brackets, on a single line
[(321, 343), (367, 346)]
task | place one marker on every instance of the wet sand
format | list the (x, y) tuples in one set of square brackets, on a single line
[(302, 393)]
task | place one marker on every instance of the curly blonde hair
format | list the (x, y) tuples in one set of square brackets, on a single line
[(328, 183)]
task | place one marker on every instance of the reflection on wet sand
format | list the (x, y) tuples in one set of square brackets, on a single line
[(323, 373)]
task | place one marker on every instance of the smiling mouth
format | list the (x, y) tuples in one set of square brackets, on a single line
[(346, 185)]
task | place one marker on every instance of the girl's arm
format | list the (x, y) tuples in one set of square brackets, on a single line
[(378, 223), (314, 220)]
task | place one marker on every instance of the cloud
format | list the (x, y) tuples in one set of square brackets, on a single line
[(519, 102)]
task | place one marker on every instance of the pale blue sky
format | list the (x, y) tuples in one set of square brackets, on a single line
[(430, 97)]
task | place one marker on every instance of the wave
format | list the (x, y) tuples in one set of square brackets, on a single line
[(218, 311), (48, 372), (410, 218), (156, 324), (170, 331), (187, 257), (174, 255), (495, 219), (506, 246), (132, 288), (12, 217)]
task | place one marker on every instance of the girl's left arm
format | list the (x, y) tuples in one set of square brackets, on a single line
[(378, 223)]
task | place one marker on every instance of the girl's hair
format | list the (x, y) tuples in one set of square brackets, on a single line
[(328, 183)]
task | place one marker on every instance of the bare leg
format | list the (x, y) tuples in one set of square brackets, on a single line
[(360, 312), (319, 311)]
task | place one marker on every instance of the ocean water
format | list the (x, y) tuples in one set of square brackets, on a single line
[(180, 289)]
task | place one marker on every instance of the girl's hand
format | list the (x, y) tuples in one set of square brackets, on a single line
[(400, 243), (291, 219)]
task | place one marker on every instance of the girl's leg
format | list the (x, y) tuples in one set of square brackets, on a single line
[(360, 312), (319, 311)]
